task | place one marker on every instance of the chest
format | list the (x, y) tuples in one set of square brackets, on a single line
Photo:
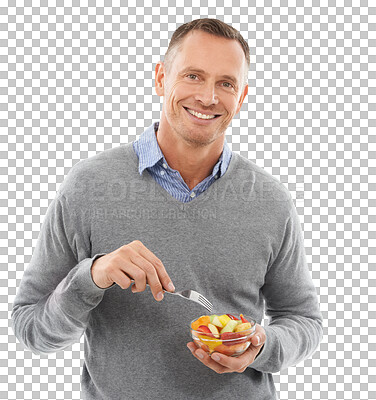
[(222, 254)]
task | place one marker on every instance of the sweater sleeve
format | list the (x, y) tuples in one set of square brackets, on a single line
[(295, 321), (56, 294)]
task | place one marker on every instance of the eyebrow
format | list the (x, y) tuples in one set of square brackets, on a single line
[(202, 72)]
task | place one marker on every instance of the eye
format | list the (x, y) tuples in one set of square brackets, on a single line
[(229, 84), (190, 75)]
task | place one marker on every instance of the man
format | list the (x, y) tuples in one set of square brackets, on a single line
[(176, 208)]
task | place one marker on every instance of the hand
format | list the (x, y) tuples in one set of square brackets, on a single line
[(132, 261), (227, 364)]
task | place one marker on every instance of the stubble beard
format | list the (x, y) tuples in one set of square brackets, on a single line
[(195, 137)]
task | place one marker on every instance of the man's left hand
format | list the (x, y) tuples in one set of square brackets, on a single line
[(226, 364)]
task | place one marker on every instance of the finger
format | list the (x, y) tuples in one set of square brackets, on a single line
[(123, 271), (151, 276), (160, 269), (144, 271), (120, 278), (259, 338), (240, 366), (204, 357), (191, 346), (238, 363), (135, 273)]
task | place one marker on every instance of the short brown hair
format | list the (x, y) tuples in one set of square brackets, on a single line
[(212, 26)]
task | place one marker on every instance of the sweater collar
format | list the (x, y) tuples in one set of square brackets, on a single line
[(149, 152)]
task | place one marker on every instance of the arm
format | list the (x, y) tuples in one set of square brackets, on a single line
[(52, 306), (63, 283), (295, 328)]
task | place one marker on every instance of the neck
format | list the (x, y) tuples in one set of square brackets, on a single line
[(193, 162)]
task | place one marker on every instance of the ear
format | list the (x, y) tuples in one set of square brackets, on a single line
[(242, 97), (159, 78)]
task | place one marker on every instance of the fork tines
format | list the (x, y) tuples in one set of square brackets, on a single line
[(206, 303)]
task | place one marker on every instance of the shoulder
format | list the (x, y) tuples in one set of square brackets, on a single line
[(86, 174), (261, 188), (265, 198)]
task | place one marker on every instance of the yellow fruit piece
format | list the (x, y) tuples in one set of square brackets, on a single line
[(203, 320), (224, 319), (210, 342), (243, 327), (215, 321)]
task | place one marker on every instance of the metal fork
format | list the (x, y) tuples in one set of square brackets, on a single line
[(193, 296)]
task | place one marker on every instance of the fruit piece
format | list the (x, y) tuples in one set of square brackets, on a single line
[(202, 345), (203, 320), (240, 348), (226, 350), (212, 317), (204, 331), (230, 326), (195, 334), (243, 327), (232, 317), (203, 328), (243, 319), (214, 330), (233, 350), (217, 322), (224, 319), (210, 342), (213, 344), (231, 337)]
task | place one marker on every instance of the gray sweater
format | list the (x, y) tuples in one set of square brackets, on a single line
[(239, 243)]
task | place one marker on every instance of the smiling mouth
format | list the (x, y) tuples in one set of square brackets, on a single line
[(201, 116)]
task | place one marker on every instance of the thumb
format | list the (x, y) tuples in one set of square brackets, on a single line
[(257, 341)]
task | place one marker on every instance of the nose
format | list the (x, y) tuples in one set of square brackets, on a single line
[(206, 94)]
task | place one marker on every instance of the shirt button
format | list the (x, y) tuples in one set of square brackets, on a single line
[(164, 165), (162, 172), (193, 194), (216, 176)]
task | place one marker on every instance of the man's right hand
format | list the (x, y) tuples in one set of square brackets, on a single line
[(132, 261)]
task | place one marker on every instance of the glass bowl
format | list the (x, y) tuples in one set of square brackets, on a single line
[(231, 344)]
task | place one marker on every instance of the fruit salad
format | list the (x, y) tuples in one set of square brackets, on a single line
[(226, 333)]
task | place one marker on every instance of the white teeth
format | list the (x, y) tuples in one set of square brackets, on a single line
[(199, 115)]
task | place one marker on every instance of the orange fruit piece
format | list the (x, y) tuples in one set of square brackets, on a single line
[(203, 320)]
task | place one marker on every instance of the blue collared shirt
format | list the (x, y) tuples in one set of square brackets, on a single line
[(151, 158)]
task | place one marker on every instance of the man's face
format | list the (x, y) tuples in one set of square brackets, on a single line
[(206, 77)]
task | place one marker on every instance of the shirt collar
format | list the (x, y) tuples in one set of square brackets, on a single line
[(149, 152)]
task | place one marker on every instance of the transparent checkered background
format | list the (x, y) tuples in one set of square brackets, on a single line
[(76, 80)]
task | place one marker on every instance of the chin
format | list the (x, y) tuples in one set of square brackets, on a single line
[(199, 140)]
